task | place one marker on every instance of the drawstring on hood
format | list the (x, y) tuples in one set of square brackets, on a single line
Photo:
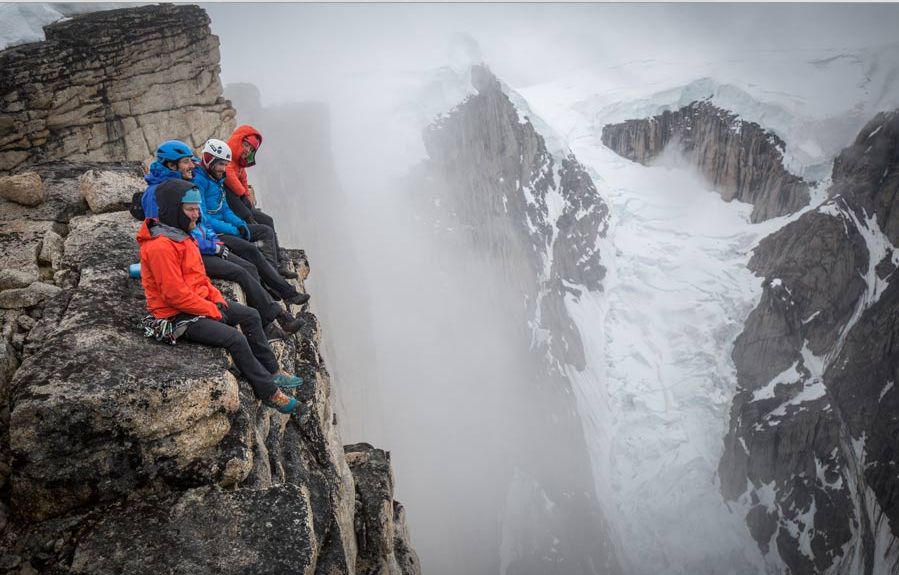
[(169, 197)]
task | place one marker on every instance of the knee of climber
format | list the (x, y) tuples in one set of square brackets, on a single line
[(235, 341), (253, 316)]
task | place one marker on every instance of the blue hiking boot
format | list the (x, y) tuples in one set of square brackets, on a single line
[(282, 402), (288, 381)]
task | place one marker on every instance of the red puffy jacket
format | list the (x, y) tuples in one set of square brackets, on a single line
[(173, 274), (236, 173)]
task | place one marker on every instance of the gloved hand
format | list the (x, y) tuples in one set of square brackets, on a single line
[(222, 306), (245, 233), (222, 251)]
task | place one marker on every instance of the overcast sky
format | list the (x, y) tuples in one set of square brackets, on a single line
[(302, 51)]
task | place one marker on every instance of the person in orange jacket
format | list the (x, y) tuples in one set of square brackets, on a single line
[(179, 292), (244, 143)]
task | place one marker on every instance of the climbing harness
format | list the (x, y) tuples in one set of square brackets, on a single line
[(166, 330)]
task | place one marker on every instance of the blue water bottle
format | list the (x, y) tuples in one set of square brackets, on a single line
[(134, 270)]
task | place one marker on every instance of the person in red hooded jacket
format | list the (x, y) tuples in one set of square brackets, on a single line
[(179, 292), (244, 143)]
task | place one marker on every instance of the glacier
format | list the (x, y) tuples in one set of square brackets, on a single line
[(656, 392)]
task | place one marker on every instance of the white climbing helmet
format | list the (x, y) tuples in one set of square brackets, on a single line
[(215, 150)]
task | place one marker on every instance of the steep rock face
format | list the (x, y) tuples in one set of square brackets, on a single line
[(520, 206), (95, 448), (384, 546), (112, 85), (538, 218), (743, 161), (194, 522), (118, 454), (866, 171), (811, 447)]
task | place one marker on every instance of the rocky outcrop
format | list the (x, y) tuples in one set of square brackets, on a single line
[(95, 448), (211, 528), (866, 171), (741, 159), (811, 448), (109, 191), (119, 454), (521, 204), (112, 84), (491, 184), (384, 546)]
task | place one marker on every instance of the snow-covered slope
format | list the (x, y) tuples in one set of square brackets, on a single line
[(656, 393)]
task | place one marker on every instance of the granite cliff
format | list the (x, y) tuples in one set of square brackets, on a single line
[(117, 454), (811, 450), (112, 85), (742, 160), (491, 184)]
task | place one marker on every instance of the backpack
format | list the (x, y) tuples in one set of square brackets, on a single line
[(136, 208)]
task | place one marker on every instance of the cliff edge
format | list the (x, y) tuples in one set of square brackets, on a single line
[(122, 455)]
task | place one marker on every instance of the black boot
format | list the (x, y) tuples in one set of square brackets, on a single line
[(274, 333), (286, 272), (297, 299), (289, 323)]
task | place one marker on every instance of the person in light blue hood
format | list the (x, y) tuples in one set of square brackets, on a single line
[(175, 161)]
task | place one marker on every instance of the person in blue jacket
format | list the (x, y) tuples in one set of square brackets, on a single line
[(174, 160), (224, 221), (234, 231)]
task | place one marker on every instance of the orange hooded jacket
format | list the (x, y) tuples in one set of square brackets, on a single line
[(173, 274), (236, 173)]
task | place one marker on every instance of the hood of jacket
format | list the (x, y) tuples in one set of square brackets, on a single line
[(152, 229), (234, 142), (159, 173), (168, 199)]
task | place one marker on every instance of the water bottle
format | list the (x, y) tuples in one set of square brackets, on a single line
[(134, 270)]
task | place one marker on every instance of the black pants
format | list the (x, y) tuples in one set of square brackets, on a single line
[(268, 274), (251, 269), (237, 269), (249, 350), (241, 207), (266, 235)]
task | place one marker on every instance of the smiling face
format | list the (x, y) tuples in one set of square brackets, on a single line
[(217, 170), (186, 168), (192, 211)]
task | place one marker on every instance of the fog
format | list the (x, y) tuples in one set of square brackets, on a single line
[(423, 336)]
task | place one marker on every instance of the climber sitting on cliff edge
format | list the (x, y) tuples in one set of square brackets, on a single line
[(235, 232), (244, 143), (182, 299)]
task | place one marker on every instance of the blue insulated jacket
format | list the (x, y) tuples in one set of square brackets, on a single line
[(221, 218), (158, 174), (205, 236)]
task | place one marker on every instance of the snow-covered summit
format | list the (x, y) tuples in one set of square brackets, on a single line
[(814, 100)]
